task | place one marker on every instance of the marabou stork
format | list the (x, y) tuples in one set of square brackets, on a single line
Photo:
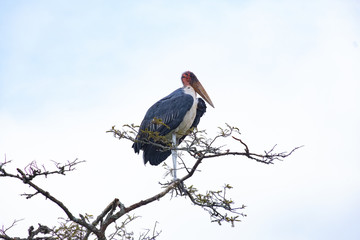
[(179, 112)]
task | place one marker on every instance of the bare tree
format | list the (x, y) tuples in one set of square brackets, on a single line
[(198, 145)]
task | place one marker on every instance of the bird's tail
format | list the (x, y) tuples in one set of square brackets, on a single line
[(154, 154)]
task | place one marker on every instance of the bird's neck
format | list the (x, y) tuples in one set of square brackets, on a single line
[(189, 90)]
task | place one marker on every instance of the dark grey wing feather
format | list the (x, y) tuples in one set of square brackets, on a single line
[(171, 110)]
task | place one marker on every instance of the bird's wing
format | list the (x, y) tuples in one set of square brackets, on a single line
[(170, 110)]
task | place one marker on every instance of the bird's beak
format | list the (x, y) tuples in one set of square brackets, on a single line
[(201, 91)]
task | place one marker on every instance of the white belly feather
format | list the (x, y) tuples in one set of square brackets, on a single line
[(189, 116)]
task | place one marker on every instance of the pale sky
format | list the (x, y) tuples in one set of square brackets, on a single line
[(283, 72)]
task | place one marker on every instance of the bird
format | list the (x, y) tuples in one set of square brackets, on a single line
[(171, 117)]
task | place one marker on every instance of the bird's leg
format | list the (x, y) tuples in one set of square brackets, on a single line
[(174, 154)]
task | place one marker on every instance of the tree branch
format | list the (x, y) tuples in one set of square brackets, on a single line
[(197, 145)]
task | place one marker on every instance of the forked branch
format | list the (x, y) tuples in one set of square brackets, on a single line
[(198, 145)]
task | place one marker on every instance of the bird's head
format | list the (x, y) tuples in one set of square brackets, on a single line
[(189, 79)]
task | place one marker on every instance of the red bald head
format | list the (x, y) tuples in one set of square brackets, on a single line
[(189, 79)]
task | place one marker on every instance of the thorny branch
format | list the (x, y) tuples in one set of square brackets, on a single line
[(29, 174), (197, 145), (213, 202), (32, 170)]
